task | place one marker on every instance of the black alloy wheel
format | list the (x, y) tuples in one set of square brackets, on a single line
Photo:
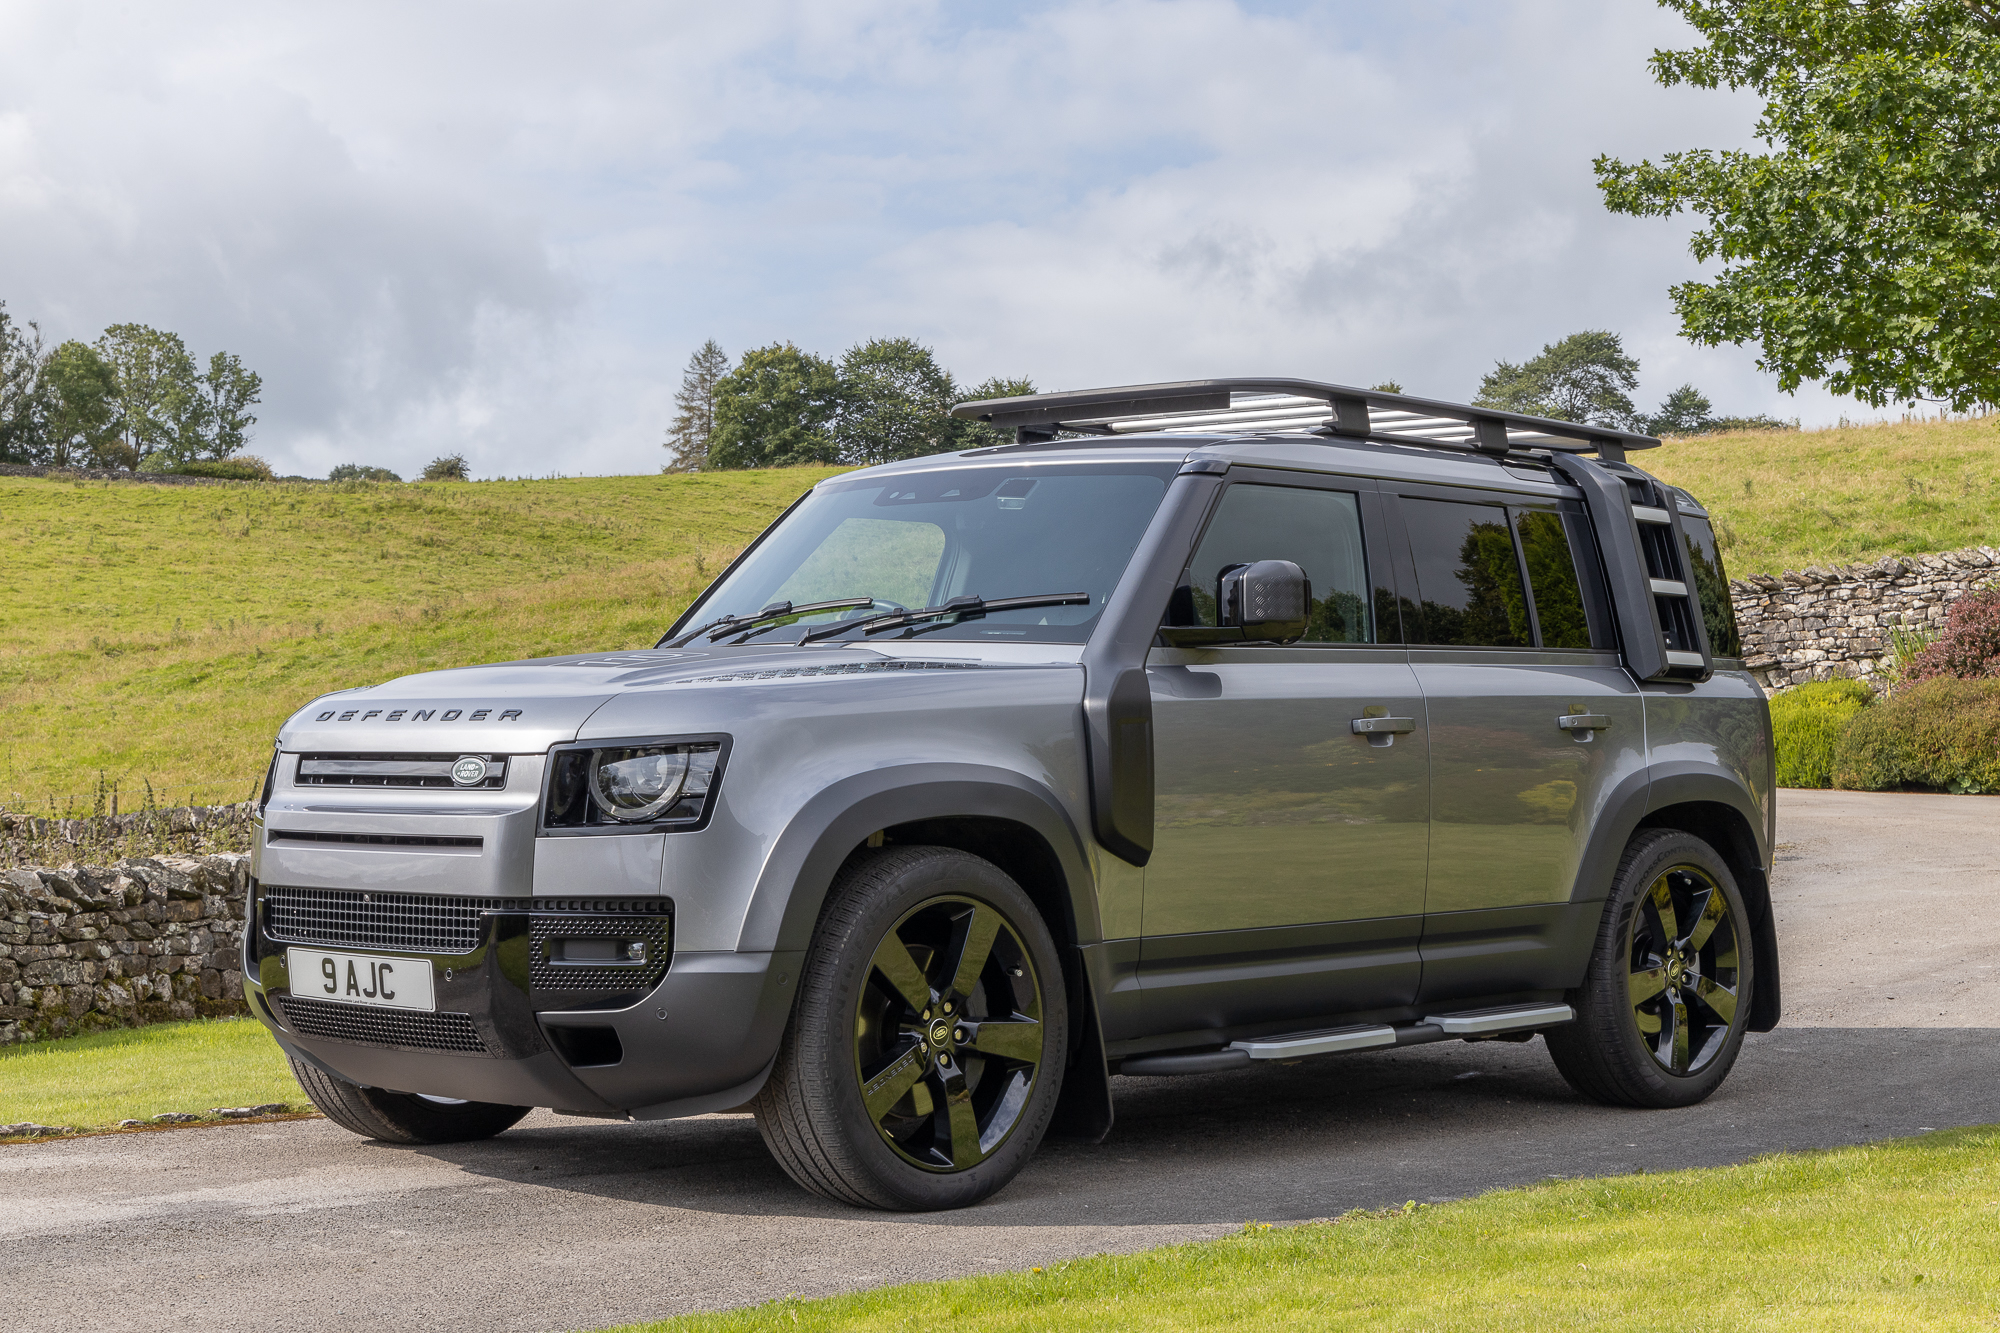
[(925, 1050), (1663, 1009), (1685, 969), (948, 1033)]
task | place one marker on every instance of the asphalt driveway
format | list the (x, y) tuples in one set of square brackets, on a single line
[(1889, 917)]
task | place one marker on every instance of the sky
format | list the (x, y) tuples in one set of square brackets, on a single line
[(501, 228)]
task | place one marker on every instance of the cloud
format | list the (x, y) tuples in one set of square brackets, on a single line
[(500, 228)]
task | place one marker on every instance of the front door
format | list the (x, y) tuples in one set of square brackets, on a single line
[(1534, 725), (1288, 870)]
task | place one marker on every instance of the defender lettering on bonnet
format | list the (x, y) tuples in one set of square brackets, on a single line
[(1344, 720), (418, 715)]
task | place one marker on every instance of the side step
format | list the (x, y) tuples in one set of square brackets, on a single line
[(1328, 1041)]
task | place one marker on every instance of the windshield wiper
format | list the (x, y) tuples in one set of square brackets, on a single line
[(716, 629), (962, 607)]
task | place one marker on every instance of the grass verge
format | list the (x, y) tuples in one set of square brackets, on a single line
[(1895, 1235), (92, 1082)]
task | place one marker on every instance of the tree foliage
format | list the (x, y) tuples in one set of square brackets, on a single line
[(447, 467), (1863, 248), (361, 472), (694, 408), (20, 389), (222, 417), (79, 402), (1586, 377)]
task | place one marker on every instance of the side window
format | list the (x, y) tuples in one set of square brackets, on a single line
[(1319, 531), (1468, 581), (1711, 586), (1552, 577)]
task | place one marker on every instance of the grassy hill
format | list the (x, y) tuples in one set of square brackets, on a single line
[(158, 635)]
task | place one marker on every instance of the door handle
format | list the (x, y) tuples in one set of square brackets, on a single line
[(1383, 726), (1584, 722)]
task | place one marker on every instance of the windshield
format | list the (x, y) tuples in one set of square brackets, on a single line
[(921, 539)]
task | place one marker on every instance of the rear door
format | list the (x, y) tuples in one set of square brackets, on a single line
[(1533, 726), (1288, 872)]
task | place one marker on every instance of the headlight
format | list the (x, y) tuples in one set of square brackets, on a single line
[(633, 784)]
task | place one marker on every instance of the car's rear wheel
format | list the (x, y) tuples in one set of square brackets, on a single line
[(403, 1117), (1662, 1013), (925, 1050)]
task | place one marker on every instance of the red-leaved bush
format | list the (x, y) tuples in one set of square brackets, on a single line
[(1968, 648)]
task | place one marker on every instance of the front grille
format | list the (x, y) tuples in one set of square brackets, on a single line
[(372, 839), (396, 770), (547, 935), (382, 1027), (415, 923)]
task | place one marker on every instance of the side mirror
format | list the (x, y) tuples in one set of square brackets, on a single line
[(1265, 599)]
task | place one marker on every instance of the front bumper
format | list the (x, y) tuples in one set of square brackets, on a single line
[(684, 1034)]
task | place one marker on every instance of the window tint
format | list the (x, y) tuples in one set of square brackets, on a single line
[(1468, 580), (1552, 576), (1711, 586), (1319, 531)]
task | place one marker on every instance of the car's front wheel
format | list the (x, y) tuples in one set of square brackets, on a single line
[(925, 1050), (1662, 1013)]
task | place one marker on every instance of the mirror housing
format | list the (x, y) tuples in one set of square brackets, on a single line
[(1266, 599)]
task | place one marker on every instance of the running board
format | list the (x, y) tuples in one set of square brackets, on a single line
[(1316, 1043), (1512, 1018)]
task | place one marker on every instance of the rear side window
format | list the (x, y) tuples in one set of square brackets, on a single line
[(1319, 531), (1711, 587), (1469, 589), (1552, 578)]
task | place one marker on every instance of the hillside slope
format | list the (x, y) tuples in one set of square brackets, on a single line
[(158, 635)]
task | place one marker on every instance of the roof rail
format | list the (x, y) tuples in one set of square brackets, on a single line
[(1239, 406)]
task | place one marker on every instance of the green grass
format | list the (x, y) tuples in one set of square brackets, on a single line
[(1896, 1235), (134, 1074), (1789, 499), (158, 635)]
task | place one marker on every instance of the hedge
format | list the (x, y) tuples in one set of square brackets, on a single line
[(1807, 723), (1940, 733)]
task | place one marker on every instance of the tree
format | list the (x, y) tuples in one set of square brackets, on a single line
[(694, 403), (79, 408), (360, 472), (21, 391), (778, 408), (1686, 411), (447, 467), (222, 420), (1863, 248), (896, 402), (159, 393), (1584, 378)]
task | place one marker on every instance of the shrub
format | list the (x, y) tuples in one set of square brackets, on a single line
[(1941, 733), (1968, 647), (361, 472), (451, 467), (243, 467), (1807, 723)]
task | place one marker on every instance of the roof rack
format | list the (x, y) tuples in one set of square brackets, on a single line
[(1239, 406)]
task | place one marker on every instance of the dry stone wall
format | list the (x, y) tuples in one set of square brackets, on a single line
[(1820, 624), (143, 941)]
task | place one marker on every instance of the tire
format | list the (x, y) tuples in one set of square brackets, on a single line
[(402, 1117), (926, 1046), (1662, 1012)]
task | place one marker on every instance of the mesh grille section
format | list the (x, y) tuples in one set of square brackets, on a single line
[(549, 936), (382, 1027), (417, 923)]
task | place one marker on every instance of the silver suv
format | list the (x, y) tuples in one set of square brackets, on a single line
[(1204, 724)]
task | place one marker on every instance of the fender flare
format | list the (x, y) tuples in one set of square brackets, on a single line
[(800, 867)]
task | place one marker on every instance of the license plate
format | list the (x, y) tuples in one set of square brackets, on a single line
[(360, 978)]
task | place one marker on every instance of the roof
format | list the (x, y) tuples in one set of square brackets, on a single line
[(1243, 406)]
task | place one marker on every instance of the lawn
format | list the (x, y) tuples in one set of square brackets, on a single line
[(97, 1080), (158, 635), (1897, 1235)]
